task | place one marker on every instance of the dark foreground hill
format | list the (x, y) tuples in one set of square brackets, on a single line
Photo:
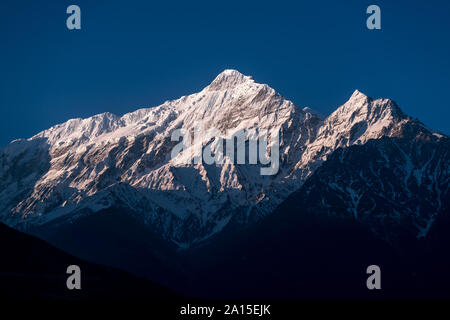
[(32, 269)]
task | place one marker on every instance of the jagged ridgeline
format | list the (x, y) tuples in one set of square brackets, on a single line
[(86, 165)]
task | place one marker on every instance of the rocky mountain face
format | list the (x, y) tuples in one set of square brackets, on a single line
[(397, 186), (84, 166)]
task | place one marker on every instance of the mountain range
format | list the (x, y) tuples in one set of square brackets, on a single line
[(107, 190)]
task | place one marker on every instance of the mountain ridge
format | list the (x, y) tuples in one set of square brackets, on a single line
[(86, 165)]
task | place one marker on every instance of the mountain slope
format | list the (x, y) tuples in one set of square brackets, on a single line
[(33, 269), (385, 202), (397, 186)]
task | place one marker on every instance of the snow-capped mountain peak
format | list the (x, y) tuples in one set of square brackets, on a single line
[(357, 94), (106, 161), (229, 78)]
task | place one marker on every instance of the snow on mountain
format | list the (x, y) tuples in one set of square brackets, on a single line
[(355, 122), (397, 186), (84, 165)]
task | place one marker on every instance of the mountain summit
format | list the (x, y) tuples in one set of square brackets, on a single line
[(228, 79)]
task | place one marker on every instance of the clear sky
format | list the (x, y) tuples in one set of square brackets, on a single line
[(130, 54)]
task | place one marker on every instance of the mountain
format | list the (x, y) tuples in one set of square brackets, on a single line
[(34, 270), (105, 161), (107, 189), (85, 165)]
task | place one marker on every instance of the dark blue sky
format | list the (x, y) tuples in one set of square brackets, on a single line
[(131, 54)]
